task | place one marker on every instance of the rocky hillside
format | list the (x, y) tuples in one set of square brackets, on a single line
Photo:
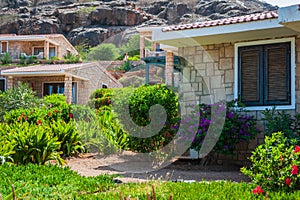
[(92, 22)]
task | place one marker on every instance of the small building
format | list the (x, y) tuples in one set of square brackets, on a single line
[(42, 46), (75, 81), (254, 58)]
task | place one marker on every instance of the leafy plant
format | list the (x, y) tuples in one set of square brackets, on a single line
[(132, 47), (140, 102), (68, 136), (20, 96), (100, 97), (276, 120), (5, 58), (33, 143), (71, 58), (275, 164)]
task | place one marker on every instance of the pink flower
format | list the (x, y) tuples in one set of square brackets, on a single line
[(39, 122), (258, 190), (288, 181), (71, 115), (297, 149), (294, 170)]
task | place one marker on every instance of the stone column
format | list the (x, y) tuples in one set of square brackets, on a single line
[(169, 68), (68, 88), (10, 82), (142, 46), (154, 46), (46, 49)]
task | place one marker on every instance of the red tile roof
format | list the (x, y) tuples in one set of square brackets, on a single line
[(225, 21)]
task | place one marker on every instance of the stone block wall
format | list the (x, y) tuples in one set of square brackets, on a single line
[(208, 72)]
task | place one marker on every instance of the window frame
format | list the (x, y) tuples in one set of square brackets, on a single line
[(5, 84), (62, 82), (292, 71)]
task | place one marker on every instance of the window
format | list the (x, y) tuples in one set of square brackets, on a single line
[(4, 47), (264, 74), (2, 84), (104, 85), (37, 50), (59, 88)]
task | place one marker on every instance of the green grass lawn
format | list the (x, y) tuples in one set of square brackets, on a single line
[(54, 182)]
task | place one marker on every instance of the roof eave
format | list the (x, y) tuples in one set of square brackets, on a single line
[(34, 73), (160, 36)]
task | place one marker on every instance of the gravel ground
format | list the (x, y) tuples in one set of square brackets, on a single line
[(180, 170)]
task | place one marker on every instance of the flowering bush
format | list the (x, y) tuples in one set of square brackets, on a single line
[(275, 164), (238, 126)]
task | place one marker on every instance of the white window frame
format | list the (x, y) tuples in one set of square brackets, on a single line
[(293, 69)]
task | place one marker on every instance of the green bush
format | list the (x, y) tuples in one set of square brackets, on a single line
[(132, 47), (104, 51), (140, 102), (5, 59), (71, 58), (100, 97), (32, 143), (276, 120), (275, 164), (68, 136), (132, 81), (20, 96)]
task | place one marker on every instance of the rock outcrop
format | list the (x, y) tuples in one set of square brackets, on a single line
[(93, 22)]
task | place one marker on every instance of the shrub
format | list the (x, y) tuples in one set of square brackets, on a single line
[(132, 81), (5, 59), (20, 96), (105, 51), (33, 144), (276, 121), (126, 66), (275, 164), (7, 147), (38, 116), (55, 100), (238, 126), (100, 97), (68, 136), (140, 102), (71, 58)]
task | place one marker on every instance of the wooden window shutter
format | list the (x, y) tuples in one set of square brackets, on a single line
[(277, 76), (250, 61)]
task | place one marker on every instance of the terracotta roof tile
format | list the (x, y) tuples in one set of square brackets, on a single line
[(225, 21)]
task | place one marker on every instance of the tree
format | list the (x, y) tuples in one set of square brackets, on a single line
[(104, 51)]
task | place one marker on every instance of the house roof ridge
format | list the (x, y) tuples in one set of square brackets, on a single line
[(224, 21)]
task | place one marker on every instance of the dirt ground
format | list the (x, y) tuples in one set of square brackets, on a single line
[(180, 170)]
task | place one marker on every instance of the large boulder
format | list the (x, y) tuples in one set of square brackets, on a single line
[(117, 16)]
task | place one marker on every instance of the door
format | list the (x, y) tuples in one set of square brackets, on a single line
[(52, 52), (4, 47)]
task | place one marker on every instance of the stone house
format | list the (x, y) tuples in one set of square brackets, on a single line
[(43, 46), (255, 58), (75, 81)]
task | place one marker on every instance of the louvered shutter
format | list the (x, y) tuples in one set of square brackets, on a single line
[(277, 76), (250, 61)]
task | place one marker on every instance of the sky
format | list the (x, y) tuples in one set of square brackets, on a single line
[(282, 3)]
